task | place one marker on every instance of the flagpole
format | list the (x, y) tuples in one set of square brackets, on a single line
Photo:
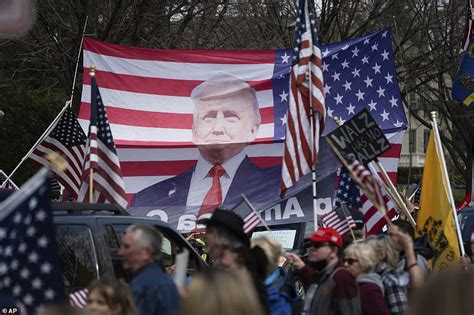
[(312, 121), (390, 187), (78, 59), (93, 110), (41, 138), (346, 213), (446, 181), (91, 183), (256, 213), (382, 209), (67, 104)]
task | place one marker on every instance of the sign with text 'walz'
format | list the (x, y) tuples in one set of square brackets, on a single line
[(360, 138)]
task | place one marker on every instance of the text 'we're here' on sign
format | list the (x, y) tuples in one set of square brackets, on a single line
[(360, 138)]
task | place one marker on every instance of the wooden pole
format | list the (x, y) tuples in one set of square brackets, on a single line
[(346, 213), (393, 192), (91, 184), (380, 208)]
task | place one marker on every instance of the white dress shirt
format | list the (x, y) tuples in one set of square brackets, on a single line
[(201, 182)]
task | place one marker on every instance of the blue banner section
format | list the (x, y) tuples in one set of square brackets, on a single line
[(296, 207), (463, 85)]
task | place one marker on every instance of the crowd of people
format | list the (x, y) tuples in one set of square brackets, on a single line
[(381, 274)]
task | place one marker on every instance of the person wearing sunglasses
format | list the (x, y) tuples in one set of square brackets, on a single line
[(387, 256), (333, 289), (361, 260)]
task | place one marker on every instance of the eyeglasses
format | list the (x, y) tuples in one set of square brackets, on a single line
[(350, 261)]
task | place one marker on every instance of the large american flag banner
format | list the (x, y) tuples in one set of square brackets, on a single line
[(146, 93), (29, 263), (68, 139), (306, 111), (102, 158)]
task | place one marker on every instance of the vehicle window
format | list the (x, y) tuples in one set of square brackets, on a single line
[(113, 239), (169, 248), (76, 255)]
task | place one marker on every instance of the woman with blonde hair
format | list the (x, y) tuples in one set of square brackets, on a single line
[(387, 256), (221, 292), (361, 260), (110, 297), (281, 293)]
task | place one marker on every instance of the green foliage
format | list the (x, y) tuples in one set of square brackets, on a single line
[(28, 112)]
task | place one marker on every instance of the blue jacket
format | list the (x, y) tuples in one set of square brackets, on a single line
[(281, 293), (154, 292)]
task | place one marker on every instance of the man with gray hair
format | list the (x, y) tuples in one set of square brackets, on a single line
[(153, 291), (226, 119)]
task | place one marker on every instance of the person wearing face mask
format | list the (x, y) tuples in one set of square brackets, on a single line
[(333, 289)]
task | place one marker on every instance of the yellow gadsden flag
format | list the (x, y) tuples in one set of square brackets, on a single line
[(435, 219)]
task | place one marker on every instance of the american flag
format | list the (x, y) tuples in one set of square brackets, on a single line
[(415, 196), (68, 139), (305, 100), (468, 27), (79, 298), (347, 198), (101, 157), (9, 184), (251, 218), (339, 219), (372, 190), (347, 192), (146, 93), (29, 262)]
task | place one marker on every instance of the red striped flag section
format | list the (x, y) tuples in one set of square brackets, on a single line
[(101, 158), (340, 220), (306, 110), (373, 211)]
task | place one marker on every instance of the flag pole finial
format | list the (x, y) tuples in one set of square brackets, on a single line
[(434, 114), (337, 120), (92, 71)]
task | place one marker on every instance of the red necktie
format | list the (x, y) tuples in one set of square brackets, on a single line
[(213, 198)]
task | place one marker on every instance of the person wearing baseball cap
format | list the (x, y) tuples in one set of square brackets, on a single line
[(331, 288)]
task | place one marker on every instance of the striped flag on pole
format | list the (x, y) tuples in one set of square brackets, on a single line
[(369, 185), (68, 139), (306, 101), (339, 219), (252, 218), (101, 157)]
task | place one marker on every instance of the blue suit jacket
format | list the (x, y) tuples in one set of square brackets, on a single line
[(257, 184)]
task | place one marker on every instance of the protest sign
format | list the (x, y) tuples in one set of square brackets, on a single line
[(360, 138)]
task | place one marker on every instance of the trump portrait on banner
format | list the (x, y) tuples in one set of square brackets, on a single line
[(226, 119)]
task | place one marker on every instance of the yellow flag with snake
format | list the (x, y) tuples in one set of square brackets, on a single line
[(435, 219)]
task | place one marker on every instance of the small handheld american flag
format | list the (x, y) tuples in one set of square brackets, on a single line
[(347, 197), (252, 218)]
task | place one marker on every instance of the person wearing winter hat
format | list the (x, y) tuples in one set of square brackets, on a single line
[(333, 289)]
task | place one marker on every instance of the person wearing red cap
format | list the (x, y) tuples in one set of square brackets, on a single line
[(333, 289)]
